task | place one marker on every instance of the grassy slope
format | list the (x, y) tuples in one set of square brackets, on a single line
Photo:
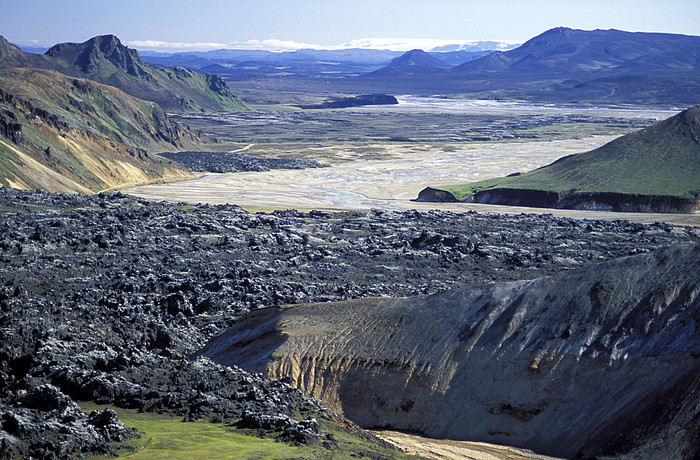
[(194, 83), (165, 436), (92, 134), (663, 159)]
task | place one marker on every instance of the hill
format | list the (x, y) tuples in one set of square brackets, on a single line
[(60, 133), (567, 53), (656, 169), (414, 62), (13, 56), (104, 59), (600, 361)]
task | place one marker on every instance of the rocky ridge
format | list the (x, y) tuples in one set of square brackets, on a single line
[(157, 281)]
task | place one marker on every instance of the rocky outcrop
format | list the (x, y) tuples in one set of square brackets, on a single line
[(48, 424), (436, 195), (597, 361), (355, 101), (593, 201), (10, 128), (227, 162)]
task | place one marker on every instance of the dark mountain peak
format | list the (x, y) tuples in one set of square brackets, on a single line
[(103, 42), (552, 37), (418, 57), (414, 62), (561, 30), (7, 48), (92, 55), (106, 40)]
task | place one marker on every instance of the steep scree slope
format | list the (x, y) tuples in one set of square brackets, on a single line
[(601, 360)]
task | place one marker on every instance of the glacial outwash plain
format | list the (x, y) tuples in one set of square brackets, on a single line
[(488, 254)]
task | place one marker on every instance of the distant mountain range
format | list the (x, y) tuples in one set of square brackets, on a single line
[(564, 65), (561, 65), (656, 169), (306, 63), (104, 59)]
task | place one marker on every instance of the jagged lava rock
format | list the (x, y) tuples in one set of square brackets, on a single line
[(596, 361)]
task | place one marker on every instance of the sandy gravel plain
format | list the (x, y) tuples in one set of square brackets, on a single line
[(455, 450), (392, 183)]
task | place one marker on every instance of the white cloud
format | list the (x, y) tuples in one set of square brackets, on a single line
[(156, 45), (394, 44), (267, 45), (30, 43), (427, 44), (275, 45)]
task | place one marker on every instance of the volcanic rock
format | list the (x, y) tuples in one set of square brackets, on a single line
[(105, 297)]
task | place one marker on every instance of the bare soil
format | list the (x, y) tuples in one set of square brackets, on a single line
[(455, 450)]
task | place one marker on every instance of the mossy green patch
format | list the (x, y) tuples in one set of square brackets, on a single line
[(165, 436)]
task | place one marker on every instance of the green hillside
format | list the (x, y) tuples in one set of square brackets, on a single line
[(66, 134), (663, 159)]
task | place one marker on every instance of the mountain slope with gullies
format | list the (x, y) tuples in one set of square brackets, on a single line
[(564, 65), (572, 53), (60, 133), (106, 60), (596, 361), (656, 169)]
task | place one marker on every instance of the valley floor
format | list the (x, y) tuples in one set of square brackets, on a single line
[(381, 157), (392, 182)]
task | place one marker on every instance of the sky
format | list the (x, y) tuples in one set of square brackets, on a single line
[(179, 25)]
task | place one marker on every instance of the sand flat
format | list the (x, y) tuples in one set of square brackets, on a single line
[(455, 450), (393, 183)]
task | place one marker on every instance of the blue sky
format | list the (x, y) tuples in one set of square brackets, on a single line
[(247, 23)]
